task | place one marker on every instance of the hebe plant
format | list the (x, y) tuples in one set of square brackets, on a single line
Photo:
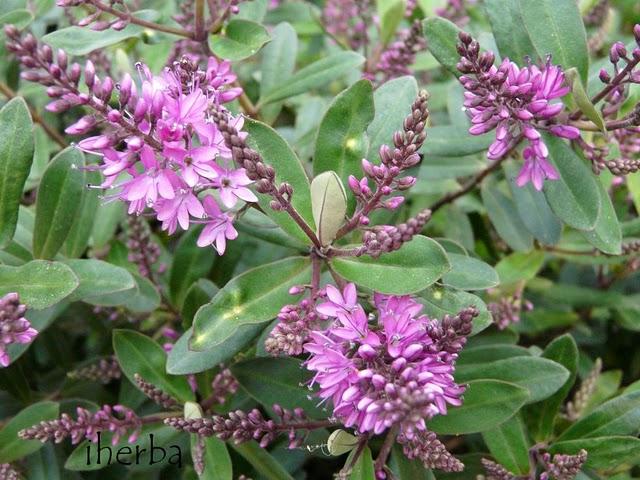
[(343, 239)]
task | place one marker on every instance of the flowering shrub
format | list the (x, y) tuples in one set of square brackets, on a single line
[(344, 239)]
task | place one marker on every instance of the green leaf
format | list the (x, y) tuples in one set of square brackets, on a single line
[(276, 152), (504, 216), (342, 141), (182, 361), (603, 453), (391, 13), (414, 267), (329, 204), (363, 469), (490, 353), (618, 416), (487, 403), (199, 293), (43, 464), (316, 75), (442, 38), (59, 201), (78, 238), (39, 283), (217, 462), (106, 223), (11, 446), (542, 377), (139, 354), (574, 197), (278, 63), (519, 266), (607, 234), (16, 156), (506, 24), (267, 466), (98, 278), (80, 41), (453, 141), (468, 273), (140, 452), (582, 99), (242, 39), (564, 351), (190, 263), (533, 209), (256, 296), (406, 469), (392, 102), (509, 445), (440, 301), (20, 18), (278, 380), (555, 28)]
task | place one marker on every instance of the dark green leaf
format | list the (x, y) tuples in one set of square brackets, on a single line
[(98, 278), (363, 468), (555, 28), (574, 197), (440, 301), (242, 39), (43, 464), (564, 351), (106, 223), (11, 446), (267, 466), (256, 296), (509, 445), (453, 141), (519, 266), (59, 201), (391, 13), (603, 453), (542, 377), (582, 99), (392, 102), (342, 141), (618, 416), (16, 155), (487, 403), (217, 462), (506, 24), (414, 267), (442, 38), (39, 283), (276, 152), (607, 235), (78, 238), (190, 263), (278, 380), (200, 293), (533, 209), (406, 469), (490, 353), (468, 273), (504, 216), (315, 75), (139, 354)]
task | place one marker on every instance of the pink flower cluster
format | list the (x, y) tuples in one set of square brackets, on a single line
[(516, 103), (14, 327), (396, 372), (177, 156)]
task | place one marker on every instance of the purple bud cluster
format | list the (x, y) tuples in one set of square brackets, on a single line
[(506, 311), (388, 238), (397, 59), (563, 467), (426, 448), (223, 385), (240, 426), (347, 20), (456, 11), (157, 395), (95, 20), (104, 371), (143, 251), (117, 419), (14, 327), (516, 103)]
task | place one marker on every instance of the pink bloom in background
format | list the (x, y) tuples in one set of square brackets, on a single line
[(516, 102), (14, 327), (396, 371)]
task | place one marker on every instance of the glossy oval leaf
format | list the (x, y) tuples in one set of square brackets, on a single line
[(39, 283), (342, 141), (468, 273), (139, 354), (217, 462), (509, 445), (574, 197), (453, 141), (519, 266), (555, 28), (241, 39), (487, 403), (329, 205), (59, 201), (98, 278), (542, 377), (16, 156), (256, 296), (276, 152), (11, 446), (316, 75), (418, 264), (440, 301), (262, 461), (506, 24), (78, 238), (442, 38), (603, 453), (607, 234)]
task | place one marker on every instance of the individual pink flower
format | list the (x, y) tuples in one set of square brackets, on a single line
[(218, 229), (195, 163), (536, 169), (179, 210), (233, 186)]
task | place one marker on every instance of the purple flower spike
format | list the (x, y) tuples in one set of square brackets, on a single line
[(14, 327)]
